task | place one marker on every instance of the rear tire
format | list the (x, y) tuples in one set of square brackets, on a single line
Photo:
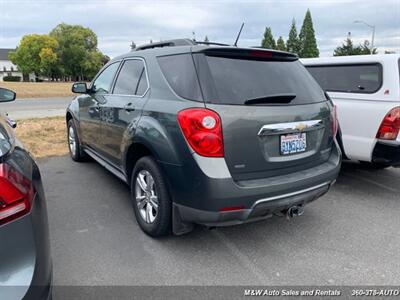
[(74, 146), (374, 165), (150, 198)]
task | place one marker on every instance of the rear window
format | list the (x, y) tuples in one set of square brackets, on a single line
[(181, 75), (233, 81), (354, 78)]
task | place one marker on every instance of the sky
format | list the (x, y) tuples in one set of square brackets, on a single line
[(118, 23)]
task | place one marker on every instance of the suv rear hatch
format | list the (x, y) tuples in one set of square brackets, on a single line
[(275, 117)]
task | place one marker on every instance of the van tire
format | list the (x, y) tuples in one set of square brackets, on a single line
[(160, 224), (78, 154)]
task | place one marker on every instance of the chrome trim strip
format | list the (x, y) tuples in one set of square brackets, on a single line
[(291, 126), (291, 194)]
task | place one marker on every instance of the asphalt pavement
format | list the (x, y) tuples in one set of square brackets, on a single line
[(348, 237), (36, 107)]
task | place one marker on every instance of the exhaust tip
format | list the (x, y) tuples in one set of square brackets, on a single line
[(294, 211)]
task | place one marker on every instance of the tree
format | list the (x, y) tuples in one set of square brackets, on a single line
[(347, 48), (293, 42), (77, 50), (268, 40), (48, 62), (206, 39), (280, 44), (308, 42), (366, 49), (36, 54)]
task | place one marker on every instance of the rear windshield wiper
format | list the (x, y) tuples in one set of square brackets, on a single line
[(271, 99)]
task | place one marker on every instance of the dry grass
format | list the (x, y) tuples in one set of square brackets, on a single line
[(39, 89), (44, 137)]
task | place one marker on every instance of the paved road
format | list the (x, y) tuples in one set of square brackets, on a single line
[(36, 107), (348, 237)]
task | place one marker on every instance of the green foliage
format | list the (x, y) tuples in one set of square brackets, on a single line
[(35, 54), (280, 44), (68, 51), (268, 40), (366, 48), (78, 53), (12, 78), (307, 38), (347, 48), (48, 61), (293, 42)]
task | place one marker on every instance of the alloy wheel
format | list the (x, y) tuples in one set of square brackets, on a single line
[(146, 196)]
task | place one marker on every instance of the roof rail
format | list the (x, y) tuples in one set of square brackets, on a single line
[(169, 43)]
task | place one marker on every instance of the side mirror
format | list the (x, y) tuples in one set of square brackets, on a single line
[(7, 95), (79, 88)]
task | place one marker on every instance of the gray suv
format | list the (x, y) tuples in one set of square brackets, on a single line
[(207, 134)]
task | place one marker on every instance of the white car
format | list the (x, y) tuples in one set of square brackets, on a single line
[(366, 92)]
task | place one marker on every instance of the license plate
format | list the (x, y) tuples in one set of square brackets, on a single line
[(293, 143)]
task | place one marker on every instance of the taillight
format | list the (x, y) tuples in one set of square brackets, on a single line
[(334, 121), (16, 194), (260, 53), (390, 126), (203, 131)]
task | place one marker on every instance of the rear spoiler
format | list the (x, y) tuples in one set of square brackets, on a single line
[(249, 53)]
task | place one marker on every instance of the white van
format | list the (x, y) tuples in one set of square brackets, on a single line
[(366, 91)]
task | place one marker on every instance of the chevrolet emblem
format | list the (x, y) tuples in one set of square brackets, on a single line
[(301, 126)]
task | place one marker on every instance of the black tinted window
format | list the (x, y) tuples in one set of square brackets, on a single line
[(130, 78), (363, 78), (181, 75), (102, 84), (233, 81)]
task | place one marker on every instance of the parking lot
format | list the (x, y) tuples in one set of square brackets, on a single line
[(348, 237)]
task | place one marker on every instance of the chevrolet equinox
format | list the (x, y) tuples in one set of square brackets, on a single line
[(207, 133)]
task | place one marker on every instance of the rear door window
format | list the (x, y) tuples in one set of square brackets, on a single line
[(180, 73), (131, 79), (226, 80), (349, 78)]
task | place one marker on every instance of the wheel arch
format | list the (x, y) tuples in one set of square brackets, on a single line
[(134, 152)]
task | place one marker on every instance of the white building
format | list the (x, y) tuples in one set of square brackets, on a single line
[(7, 68)]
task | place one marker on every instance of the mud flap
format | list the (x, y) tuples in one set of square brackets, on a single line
[(178, 226)]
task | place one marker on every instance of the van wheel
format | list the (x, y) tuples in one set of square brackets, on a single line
[(374, 165), (150, 198), (74, 146)]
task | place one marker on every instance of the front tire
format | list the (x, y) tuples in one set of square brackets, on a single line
[(74, 145), (150, 198)]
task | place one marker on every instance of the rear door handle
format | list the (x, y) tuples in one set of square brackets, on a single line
[(129, 107)]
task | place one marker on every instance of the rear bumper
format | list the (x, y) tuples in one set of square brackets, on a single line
[(387, 153), (261, 209), (201, 199)]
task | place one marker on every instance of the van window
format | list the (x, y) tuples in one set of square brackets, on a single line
[(131, 76), (227, 80), (349, 78), (181, 75), (102, 83)]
